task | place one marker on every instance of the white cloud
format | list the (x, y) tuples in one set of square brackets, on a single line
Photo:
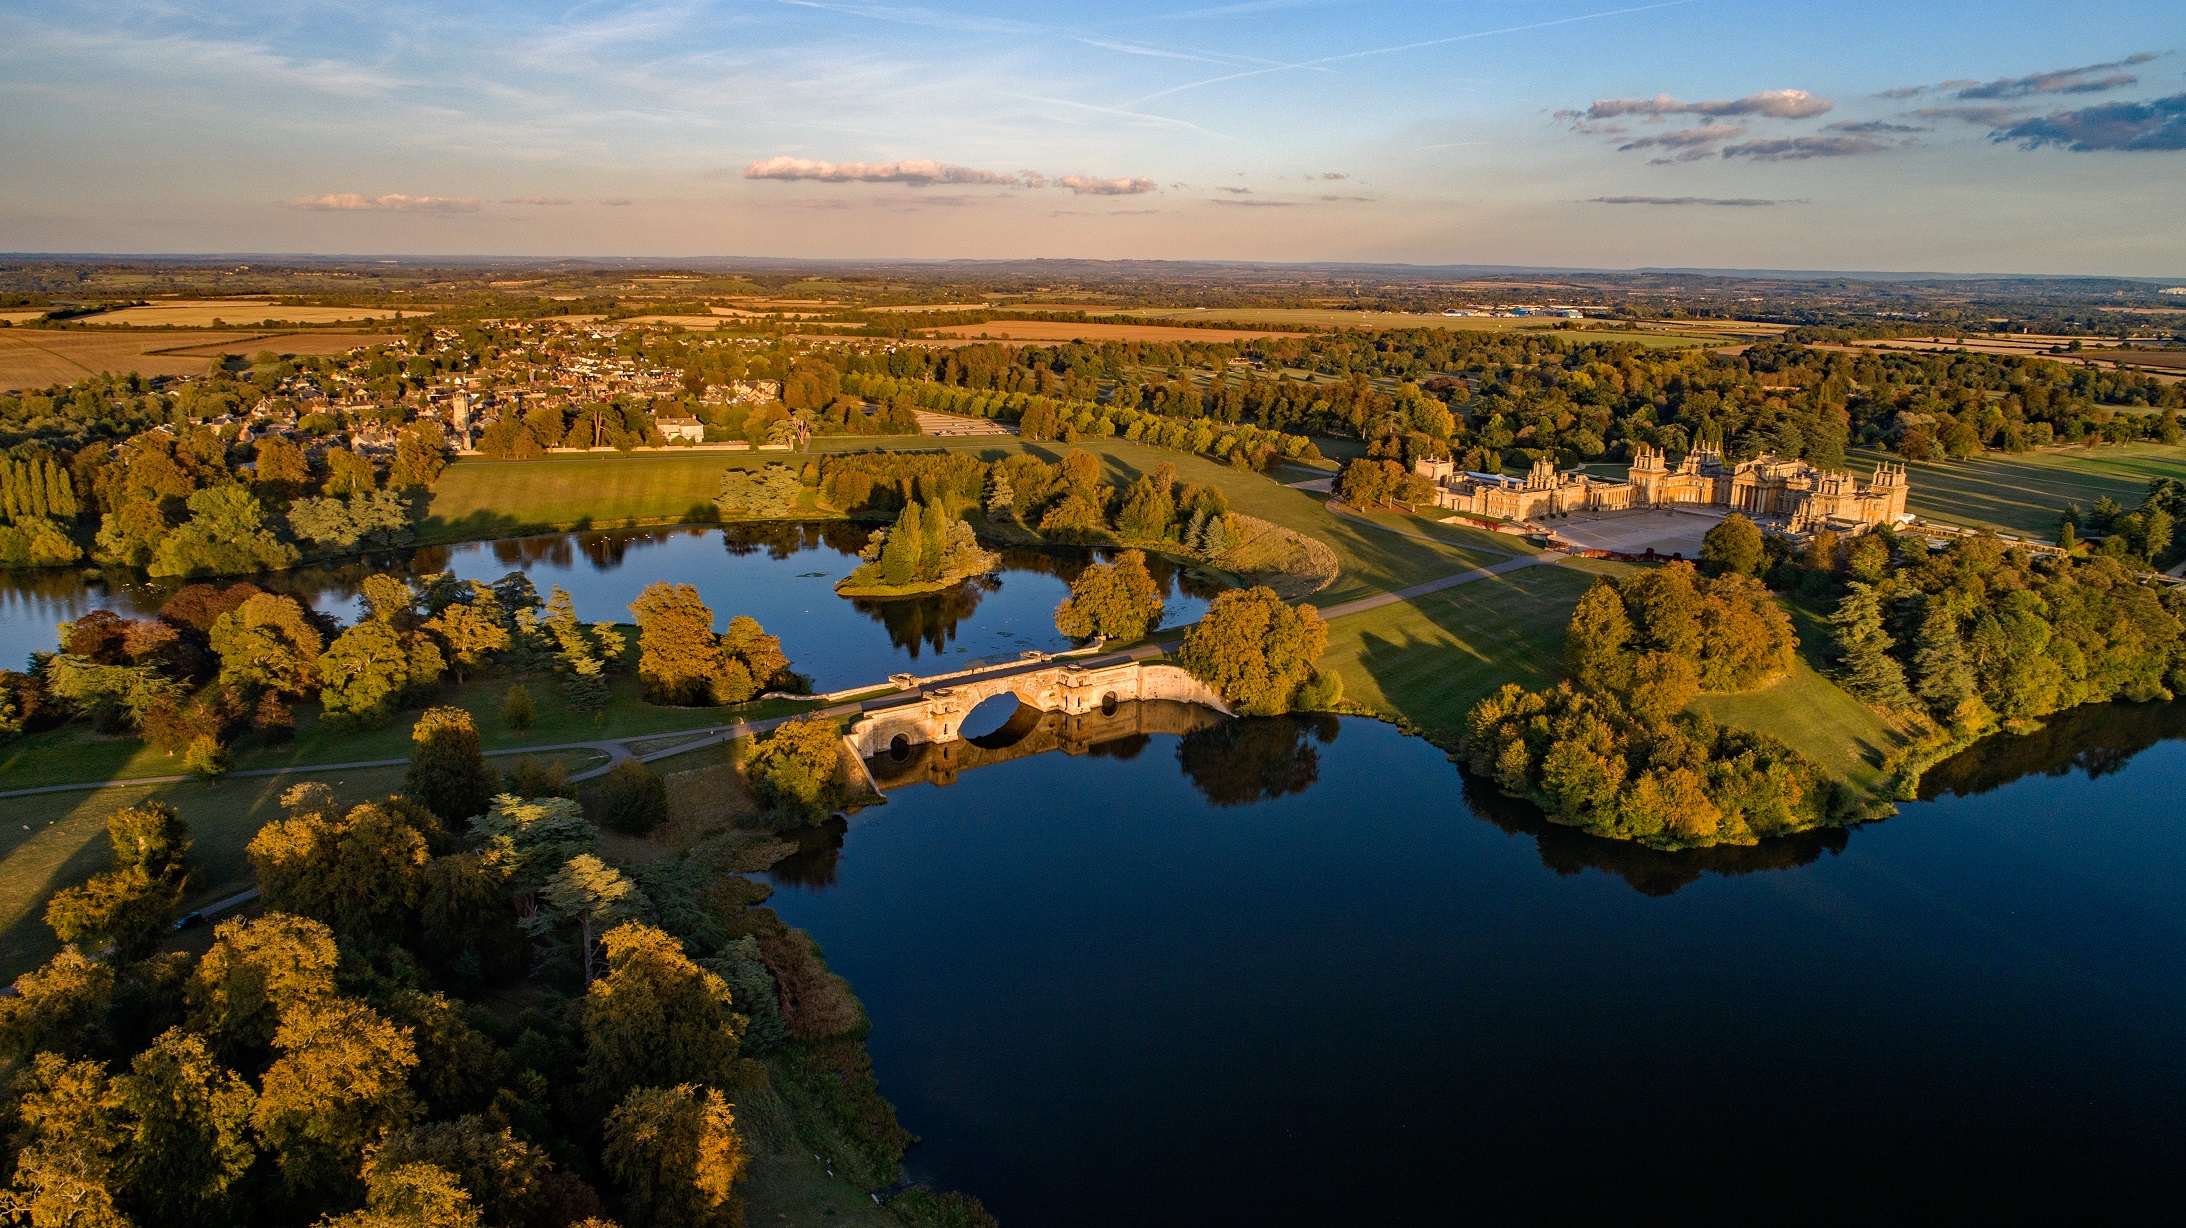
[(1774, 104), (1088, 185), (394, 202)]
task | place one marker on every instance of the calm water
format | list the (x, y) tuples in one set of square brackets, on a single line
[(783, 575), (1300, 972)]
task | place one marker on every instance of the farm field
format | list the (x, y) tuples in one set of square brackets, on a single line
[(1049, 330), (35, 358), (2024, 494), (1277, 317), (202, 313)]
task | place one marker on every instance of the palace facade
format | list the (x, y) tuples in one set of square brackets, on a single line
[(1789, 495)]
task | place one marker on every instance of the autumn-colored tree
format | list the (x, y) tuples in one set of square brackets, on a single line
[(362, 873), (448, 772), (1254, 650), (341, 1083), (761, 653), (59, 1007), (793, 769), (677, 1155), (656, 1018), (1119, 600), (473, 634), (410, 1196), (267, 641), (130, 904), (678, 655), (512, 1181), (419, 457), (71, 1132), (371, 668), (258, 970)]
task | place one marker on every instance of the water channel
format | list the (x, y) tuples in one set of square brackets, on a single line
[(1301, 971), (783, 575)]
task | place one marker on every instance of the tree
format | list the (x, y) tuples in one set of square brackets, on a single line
[(586, 686), (761, 653), (341, 1083), (516, 707), (448, 772), (678, 655), (473, 633), (188, 1142), (655, 1018), (1254, 650), (1148, 512), (410, 1196), (1596, 652), (419, 457), (1946, 677), (57, 1008), (66, 1176), (900, 550), (1865, 664), (677, 1154), (267, 642), (1734, 545), (225, 535), (592, 895), (368, 669), (1119, 601), (130, 904), (362, 874), (258, 970), (1073, 518), (630, 798), (793, 769), (511, 1181), (535, 837)]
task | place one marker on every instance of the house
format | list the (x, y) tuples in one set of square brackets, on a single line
[(687, 429)]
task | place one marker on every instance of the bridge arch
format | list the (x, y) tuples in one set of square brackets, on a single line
[(938, 715)]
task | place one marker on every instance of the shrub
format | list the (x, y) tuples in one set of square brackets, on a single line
[(630, 798), (516, 708)]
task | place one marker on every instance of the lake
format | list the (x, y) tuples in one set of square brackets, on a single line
[(1302, 971), (782, 574)]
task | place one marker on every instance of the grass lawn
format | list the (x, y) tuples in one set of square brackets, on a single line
[(1811, 714), (74, 753), (2024, 494), (1432, 658)]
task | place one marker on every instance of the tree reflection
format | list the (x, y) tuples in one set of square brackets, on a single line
[(1239, 762), (1569, 851), (2098, 739), (819, 849), (930, 619)]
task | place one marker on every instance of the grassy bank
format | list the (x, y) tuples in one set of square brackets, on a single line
[(2024, 494)]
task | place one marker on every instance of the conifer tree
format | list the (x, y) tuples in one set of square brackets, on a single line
[(899, 553), (1865, 664), (1939, 662)]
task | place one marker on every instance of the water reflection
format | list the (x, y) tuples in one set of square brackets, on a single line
[(782, 574), (2098, 739), (1120, 735), (819, 850), (1239, 762)]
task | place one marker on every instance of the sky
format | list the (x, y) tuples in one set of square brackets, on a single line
[(2000, 137)]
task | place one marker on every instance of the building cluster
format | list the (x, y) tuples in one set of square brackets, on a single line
[(1789, 496)]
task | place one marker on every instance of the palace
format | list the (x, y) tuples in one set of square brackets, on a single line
[(1788, 495)]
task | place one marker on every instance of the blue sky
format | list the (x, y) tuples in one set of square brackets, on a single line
[(2001, 137)]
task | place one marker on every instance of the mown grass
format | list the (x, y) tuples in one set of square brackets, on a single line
[(2024, 494), (1432, 658)]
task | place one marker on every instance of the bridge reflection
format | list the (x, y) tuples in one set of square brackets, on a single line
[(1120, 731)]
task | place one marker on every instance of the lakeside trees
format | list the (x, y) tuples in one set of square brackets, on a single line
[(682, 661), (1612, 750), (1255, 650)]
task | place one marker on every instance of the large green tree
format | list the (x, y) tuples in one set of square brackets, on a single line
[(1254, 650), (678, 654), (656, 1018)]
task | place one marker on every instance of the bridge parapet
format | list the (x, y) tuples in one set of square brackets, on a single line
[(938, 714)]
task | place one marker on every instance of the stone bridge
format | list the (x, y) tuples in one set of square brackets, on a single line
[(1073, 688), (1121, 734)]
